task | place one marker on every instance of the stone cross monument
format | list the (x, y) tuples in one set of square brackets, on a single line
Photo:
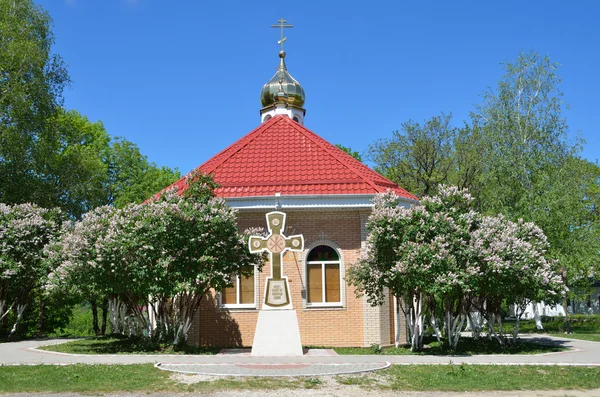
[(277, 332), (277, 291)]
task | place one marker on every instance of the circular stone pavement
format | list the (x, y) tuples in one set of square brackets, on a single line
[(261, 369)]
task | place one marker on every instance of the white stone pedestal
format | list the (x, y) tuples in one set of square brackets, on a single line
[(277, 334)]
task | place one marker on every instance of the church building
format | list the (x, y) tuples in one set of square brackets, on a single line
[(326, 195)]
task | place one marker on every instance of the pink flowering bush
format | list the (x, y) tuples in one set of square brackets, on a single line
[(443, 255), (25, 230), (512, 268), (156, 261)]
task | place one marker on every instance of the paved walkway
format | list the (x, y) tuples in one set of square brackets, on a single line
[(582, 353)]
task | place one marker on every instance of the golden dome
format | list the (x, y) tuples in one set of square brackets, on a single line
[(282, 88)]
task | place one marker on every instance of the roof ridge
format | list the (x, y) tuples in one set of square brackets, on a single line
[(322, 146)]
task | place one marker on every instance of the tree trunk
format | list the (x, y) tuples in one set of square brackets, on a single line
[(436, 327), (536, 315), (41, 317), (104, 316), (416, 323), (95, 317), (20, 311), (398, 322)]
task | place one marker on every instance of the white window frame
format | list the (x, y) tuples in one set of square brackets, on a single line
[(323, 294), (238, 305)]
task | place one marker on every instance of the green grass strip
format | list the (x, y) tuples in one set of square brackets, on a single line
[(130, 378), (486, 377)]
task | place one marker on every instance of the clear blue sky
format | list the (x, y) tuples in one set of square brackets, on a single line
[(182, 78)]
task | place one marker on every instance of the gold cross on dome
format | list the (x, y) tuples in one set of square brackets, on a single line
[(281, 24), (277, 292)]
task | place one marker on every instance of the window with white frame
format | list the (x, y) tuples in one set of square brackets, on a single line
[(323, 277), (241, 294)]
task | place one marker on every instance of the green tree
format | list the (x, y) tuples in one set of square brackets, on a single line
[(32, 79), (50, 156), (532, 171), (73, 164), (131, 177), (524, 135), (417, 157), (349, 151)]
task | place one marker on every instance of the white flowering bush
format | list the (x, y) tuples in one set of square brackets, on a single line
[(156, 260), (25, 230), (512, 267), (443, 255)]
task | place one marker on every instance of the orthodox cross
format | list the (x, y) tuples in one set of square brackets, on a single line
[(277, 292), (281, 24)]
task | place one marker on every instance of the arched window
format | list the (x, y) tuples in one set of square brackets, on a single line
[(267, 118), (323, 276)]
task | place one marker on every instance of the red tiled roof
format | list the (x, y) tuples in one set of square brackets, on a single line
[(284, 156)]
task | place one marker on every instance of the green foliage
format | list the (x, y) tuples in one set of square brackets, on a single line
[(531, 169), (349, 151), (442, 254), (50, 156), (173, 250), (516, 159), (580, 325), (79, 324), (418, 157), (31, 84), (131, 177)]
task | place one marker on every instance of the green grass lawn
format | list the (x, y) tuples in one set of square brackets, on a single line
[(145, 378), (480, 378), (123, 345), (466, 347), (584, 327)]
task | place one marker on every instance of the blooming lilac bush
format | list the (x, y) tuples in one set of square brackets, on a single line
[(513, 268), (25, 229), (442, 254), (156, 260)]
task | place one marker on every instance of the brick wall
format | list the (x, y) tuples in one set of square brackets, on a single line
[(351, 324)]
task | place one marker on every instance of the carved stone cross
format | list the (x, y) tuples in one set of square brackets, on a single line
[(277, 292)]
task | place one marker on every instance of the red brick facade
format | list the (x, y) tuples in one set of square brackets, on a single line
[(352, 323)]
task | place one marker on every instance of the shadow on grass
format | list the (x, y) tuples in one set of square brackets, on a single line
[(467, 347), (118, 344)]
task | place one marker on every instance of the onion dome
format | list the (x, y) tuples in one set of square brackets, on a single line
[(282, 88)]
